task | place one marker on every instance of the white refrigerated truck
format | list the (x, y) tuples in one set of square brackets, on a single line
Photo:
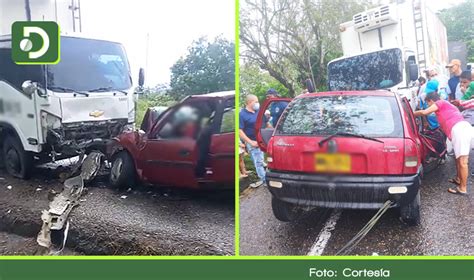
[(388, 47), (50, 112)]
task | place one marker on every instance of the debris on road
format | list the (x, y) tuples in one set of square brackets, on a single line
[(123, 197), (55, 221), (9, 187)]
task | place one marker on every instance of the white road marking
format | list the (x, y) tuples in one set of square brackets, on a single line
[(318, 247)]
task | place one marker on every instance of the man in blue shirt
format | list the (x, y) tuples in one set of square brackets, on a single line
[(247, 121), (276, 108), (455, 70)]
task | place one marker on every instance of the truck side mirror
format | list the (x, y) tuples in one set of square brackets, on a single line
[(29, 87), (413, 72), (141, 77)]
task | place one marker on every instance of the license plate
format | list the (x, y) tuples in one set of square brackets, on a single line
[(332, 162)]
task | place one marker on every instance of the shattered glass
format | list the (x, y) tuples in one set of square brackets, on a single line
[(371, 71)]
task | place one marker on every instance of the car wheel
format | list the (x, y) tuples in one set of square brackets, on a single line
[(284, 211), (18, 162), (122, 172), (410, 213)]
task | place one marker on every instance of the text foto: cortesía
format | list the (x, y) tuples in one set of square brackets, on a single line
[(349, 273)]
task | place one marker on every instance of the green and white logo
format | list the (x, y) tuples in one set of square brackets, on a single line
[(35, 42)]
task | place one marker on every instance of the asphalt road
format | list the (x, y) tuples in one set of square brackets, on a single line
[(12, 244), (446, 227), (145, 221)]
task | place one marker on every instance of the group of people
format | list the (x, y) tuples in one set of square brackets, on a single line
[(442, 104), (248, 140)]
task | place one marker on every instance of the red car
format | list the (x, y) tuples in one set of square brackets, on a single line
[(190, 145), (351, 150)]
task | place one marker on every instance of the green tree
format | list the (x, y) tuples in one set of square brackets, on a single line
[(293, 40), (208, 67), (253, 80), (459, 24)]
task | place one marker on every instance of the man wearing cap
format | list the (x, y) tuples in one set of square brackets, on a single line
[(455, 70), (276, 108)]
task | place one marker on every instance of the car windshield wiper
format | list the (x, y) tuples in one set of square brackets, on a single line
[(350, 135), (103, 89), (64, 89)]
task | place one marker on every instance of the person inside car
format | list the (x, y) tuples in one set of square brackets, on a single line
[(458, 130)]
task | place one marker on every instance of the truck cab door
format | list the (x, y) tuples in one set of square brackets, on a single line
[(263, 131), (17, 108)]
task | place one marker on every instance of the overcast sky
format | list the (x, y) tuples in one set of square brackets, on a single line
[(172, 27)]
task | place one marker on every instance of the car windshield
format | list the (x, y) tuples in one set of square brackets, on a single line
[(377, 70), (372, 116), (87, 65)]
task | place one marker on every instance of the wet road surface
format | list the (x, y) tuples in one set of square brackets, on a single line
[(446, 227), (146, 221)]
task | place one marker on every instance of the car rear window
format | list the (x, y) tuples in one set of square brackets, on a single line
[(374, 116)]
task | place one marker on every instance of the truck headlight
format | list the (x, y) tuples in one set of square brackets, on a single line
[(129, 127)]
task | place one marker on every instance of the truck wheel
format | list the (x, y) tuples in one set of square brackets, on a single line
[(410, 213), (284, 211), (18, 162), (122, 172)]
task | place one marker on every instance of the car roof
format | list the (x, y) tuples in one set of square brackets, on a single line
[(220, 94), (350, 93)]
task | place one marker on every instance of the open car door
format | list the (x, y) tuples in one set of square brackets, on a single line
[(433, 141), (221, 157), (170, 152), (263, 130)]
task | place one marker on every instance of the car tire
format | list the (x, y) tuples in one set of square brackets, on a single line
[(284, 211), (18, 162), (122, 172), (410, 213)]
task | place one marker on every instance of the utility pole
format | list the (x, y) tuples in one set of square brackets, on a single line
[(28, 10), (76, 7), (147, 50)]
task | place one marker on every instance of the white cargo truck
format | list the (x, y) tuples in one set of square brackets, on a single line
[(388, 47), (50, 112)]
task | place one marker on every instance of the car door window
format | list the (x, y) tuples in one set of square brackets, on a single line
[(407, 109), (228, 121), (187, 121), (183, 123)]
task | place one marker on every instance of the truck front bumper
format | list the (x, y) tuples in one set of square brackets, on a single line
[(342, 191)]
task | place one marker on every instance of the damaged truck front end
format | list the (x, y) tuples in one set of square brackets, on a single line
[(75, 138), (53, 112)]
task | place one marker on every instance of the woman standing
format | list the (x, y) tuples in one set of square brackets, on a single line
[(458, 131)]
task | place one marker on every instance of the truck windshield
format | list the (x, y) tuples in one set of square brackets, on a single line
[(371, 116), (377, 70), (89, 64)]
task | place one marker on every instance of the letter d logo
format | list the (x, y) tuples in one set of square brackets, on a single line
[(35, 42)]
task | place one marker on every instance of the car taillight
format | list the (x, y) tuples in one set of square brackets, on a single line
[(411, 160), (270, 153)]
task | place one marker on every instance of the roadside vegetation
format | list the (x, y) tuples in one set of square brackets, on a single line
[(207, 67)]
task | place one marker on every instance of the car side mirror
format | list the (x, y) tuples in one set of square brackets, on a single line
[(29, 87), (413, 72), (141, 77)]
